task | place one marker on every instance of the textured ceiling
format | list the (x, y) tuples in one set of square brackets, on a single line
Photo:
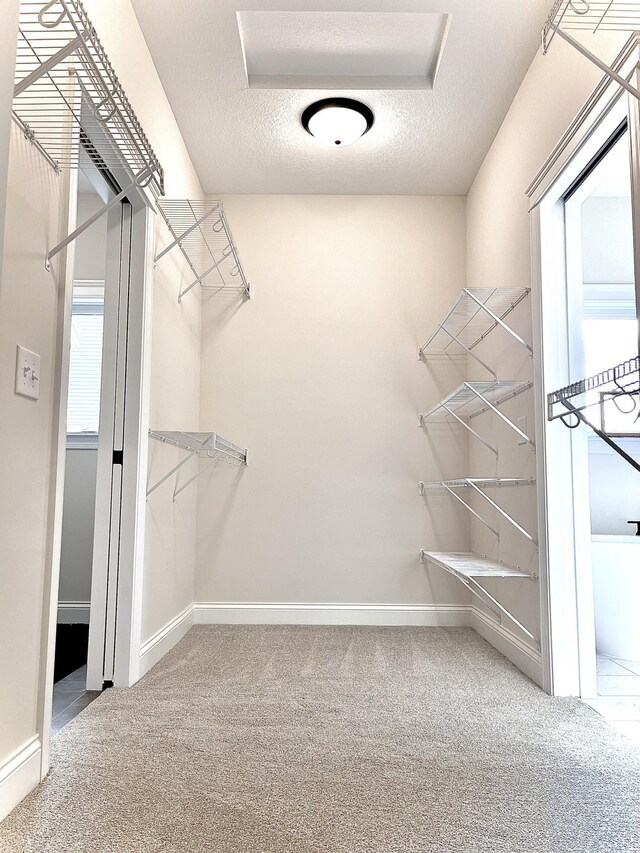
[(429, 141)]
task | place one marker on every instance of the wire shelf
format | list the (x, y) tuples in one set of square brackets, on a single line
[(592, 17), (474, 315), (201, 230), (606, 390), (469, 565), (203, 445), (470, 569), (474, 398), (66, 93), (621, 380), (469, 482)]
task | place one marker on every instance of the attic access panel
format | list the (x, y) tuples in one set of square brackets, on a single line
[(342, 50)]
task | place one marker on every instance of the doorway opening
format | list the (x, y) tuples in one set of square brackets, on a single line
[(80, 673), (602, 333)]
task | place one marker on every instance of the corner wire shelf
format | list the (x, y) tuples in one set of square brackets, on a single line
[(593, 16), (204, 445), (67, 98), (474, 398), (478, 486), (611, 386), (475, 313), (201, 230), (468, 568)]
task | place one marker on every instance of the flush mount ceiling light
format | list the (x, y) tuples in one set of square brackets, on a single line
[(337, 121)]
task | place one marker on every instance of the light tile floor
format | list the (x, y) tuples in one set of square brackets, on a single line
[(70, 696), (619, 694)]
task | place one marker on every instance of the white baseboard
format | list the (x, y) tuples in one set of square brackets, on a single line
[(434, 615), (19, 775), (508, 643), (165, 639), (73, 612), (502, 638)]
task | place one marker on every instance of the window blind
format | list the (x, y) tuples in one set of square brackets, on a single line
[(83, 408)]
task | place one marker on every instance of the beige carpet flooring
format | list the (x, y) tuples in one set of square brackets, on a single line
[(333, 740)]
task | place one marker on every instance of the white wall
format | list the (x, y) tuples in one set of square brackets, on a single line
[(8, 35), (499, 249), (318, 376), (30, 306), (29, 309)]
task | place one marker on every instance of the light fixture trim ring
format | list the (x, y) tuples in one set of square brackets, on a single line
[(344, 103)]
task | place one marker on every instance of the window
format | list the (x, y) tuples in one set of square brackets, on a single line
[(85, 367)]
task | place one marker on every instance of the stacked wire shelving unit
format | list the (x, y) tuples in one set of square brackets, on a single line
[(201, 230), (472, 317), (206, 446)]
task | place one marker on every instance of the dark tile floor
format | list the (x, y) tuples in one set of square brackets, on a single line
[(70, 696)]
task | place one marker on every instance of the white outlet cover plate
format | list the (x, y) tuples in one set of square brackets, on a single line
[(27, 373)]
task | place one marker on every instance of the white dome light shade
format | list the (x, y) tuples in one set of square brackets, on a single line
[(337, 121)]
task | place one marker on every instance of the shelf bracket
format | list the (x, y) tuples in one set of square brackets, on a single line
[(475, 588), (499, 322), (206, 468), (601, 434), (502, 512), (467, 506), (471, 430), (501, 415), (182, 462), (599, 63), (138, 182), (225, 254), (465, 348)]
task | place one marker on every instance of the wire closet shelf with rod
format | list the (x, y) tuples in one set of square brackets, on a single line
[(67, 99), (203, 446), (613, 395), (201, 231), (472, 317)]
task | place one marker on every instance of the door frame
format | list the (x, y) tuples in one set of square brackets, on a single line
[(135, 452), (566, 604)]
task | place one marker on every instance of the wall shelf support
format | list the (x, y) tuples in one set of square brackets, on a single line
[(479, 486), (204, 445), (467, 568), (592, 16), (473, 315)]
